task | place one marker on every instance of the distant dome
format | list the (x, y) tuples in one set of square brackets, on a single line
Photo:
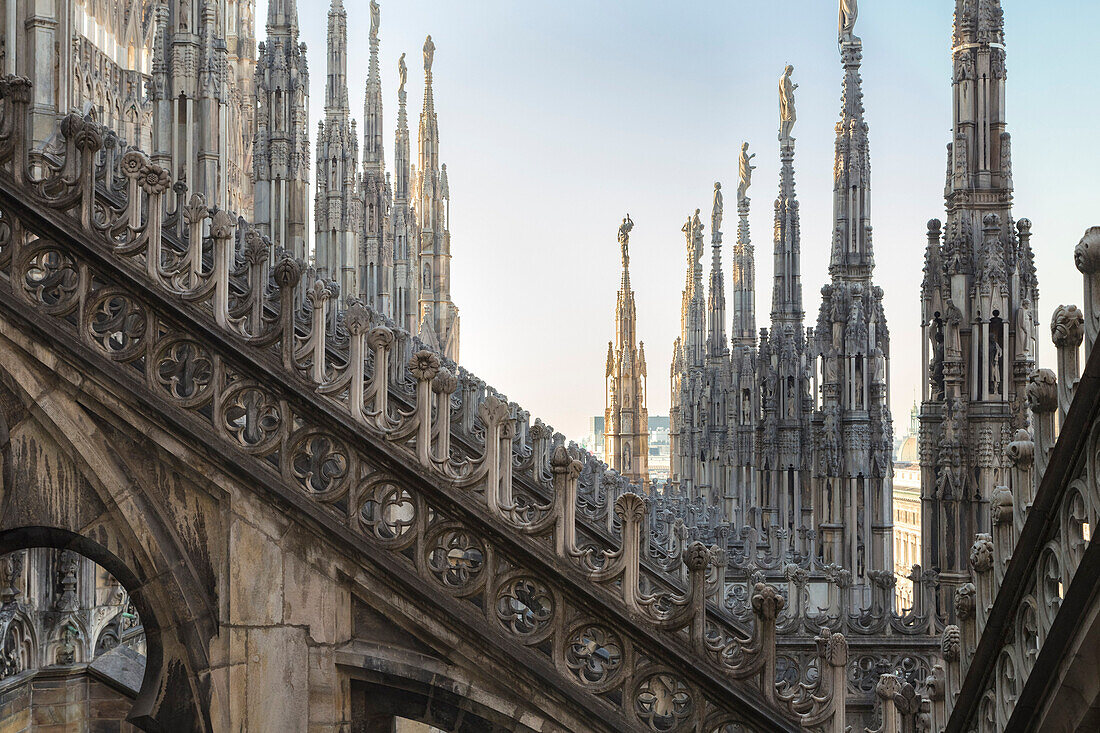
[(908, 451)]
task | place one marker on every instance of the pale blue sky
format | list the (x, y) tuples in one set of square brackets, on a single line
[(557, 118)]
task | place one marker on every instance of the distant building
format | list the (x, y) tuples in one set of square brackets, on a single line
[(659, 455), (907, 514)]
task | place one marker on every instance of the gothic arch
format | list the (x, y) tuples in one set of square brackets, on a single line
[(86, 500)]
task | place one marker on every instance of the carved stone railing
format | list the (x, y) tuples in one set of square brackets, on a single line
[(377, 438)]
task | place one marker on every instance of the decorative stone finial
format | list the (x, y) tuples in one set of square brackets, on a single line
[(767, 601), (444, 382), (697, 557), (1042, 391), (981, 553), (951, 643), (1067, 327), (1087, 253), (964, 600), (888, 686), (631, 507)]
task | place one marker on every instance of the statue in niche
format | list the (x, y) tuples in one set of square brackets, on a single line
[(878, 366), (374, 18), (403, 73), (935, 368), (830, 366), (848, 14), (745, 169), (429, 54), (746, 407), (786, 104), (280, 121), (1024, 330), (184, 18), (836, 314), (996, 364), (953, 341), (716, 210), (624, 239), (790, 397), (857, 383)]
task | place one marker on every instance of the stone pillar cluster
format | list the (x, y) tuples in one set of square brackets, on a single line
[(979, 299), (790, 433), (185, 81)]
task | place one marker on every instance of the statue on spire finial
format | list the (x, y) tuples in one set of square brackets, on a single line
[(624, 239), (403, 71), (745, 167), (716, 210), (848, 13), (786, 104), (375, 18), (429, 54)]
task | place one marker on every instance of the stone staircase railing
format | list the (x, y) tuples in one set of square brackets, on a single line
[(380, 439)]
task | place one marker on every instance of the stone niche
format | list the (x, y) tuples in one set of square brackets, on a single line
[(72, 648)]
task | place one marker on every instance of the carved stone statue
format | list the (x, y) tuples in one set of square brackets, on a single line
[(953, 343), (857, 384), (624, 239), (1025, 331), (829, 370), (184, 19), (374, 18), (848, 13), (403, 72), (716, 210), (996, 364), (786, 104), (745, 168), (429, 54), (878, 366)]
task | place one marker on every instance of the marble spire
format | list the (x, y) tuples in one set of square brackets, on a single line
[(282, 18), (378, 285), (439, 322), (744, 264), (979, 300), (336, 86), (373, 138), (853, 443), (787, 289), (280, 149), (782, 373), (626, 418), (338, 205), (852, 255), (716, 300)]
